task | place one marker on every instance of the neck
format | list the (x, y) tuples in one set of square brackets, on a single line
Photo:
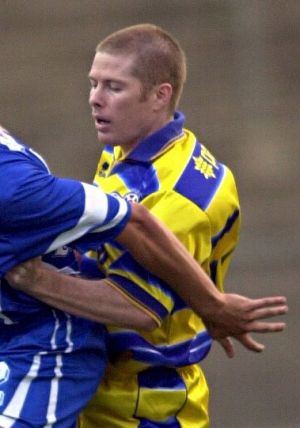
[(161, 123)]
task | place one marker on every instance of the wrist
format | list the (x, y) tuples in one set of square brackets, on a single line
[(213, 304)]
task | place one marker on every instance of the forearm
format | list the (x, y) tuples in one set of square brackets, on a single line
[(91, 299), (160, 252)]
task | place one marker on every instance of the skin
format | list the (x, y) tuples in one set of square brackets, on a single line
[(122, 117), (224, 315)]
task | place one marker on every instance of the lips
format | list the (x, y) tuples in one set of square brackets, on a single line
[(101, 122)]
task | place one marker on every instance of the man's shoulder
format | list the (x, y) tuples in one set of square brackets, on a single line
[(8, 142), (13, 150), (197, 174)]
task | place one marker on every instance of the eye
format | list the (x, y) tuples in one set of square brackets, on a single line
[(114, 86)]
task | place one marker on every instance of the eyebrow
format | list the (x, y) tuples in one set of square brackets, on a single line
[(115, 80)]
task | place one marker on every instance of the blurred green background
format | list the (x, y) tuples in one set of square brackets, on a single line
[(242, 98)]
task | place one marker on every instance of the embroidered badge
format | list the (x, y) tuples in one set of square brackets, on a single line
[(206, 163)]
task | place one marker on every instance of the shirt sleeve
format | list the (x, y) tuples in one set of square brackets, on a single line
[(41, 212)]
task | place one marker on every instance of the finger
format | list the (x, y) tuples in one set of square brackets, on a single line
[(268, 312), (228, 346), (265, 327), (248, 342), (265, 302)]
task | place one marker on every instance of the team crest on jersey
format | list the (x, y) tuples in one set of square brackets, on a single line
[(206, 163), (132, 197)]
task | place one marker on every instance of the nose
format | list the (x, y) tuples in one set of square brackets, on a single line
[(96, 97)]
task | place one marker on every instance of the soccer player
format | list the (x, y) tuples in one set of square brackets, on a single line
[(153, 378), (51, 362)]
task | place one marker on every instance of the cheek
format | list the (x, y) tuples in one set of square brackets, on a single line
[(126, 103), (120, 109), (126, 112)]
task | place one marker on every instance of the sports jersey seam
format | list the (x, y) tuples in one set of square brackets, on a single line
[(134, 301), (189, 200)]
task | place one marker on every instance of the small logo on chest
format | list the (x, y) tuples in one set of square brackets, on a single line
[(132, 197)]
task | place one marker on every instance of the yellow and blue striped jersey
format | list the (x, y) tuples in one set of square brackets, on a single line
[(182, 184)]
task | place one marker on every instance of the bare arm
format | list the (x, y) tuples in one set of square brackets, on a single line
[(96, 300), (159, 251), (224, 314)]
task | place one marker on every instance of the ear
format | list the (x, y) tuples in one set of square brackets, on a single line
[(163, 94)]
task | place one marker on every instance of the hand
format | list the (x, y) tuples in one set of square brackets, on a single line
[(238, 316), (25, 275)]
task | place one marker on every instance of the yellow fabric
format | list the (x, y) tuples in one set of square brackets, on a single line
[(119, 402), (183, 185)]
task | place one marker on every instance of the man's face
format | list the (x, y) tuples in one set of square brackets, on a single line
[(122, 116)]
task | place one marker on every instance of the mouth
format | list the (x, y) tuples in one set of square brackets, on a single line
[(101, 123), (100, 120)]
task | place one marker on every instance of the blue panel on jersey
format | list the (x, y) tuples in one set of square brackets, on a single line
[(171, 422), (89, 268), (142, 296), (226, 228), (177, 355), (126, 263), (140, 177), (160, 377), (195, 184)]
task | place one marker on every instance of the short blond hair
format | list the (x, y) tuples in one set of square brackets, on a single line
[(158, 57)]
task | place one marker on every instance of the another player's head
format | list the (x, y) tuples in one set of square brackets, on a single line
[(136, 78)]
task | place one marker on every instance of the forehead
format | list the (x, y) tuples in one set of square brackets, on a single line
[(112, 66)]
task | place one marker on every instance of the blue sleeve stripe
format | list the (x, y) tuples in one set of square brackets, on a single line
[(226, 228)]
